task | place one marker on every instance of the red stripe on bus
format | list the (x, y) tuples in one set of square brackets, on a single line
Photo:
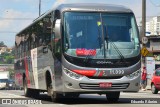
[(100, 74), (85, 72)]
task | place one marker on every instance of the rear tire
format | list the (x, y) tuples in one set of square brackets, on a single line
[(113, 96), (27, 91), (153, 89), (30, 92), (35, 93)]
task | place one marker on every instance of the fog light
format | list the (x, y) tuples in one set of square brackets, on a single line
[(70, 84), (134, 74)]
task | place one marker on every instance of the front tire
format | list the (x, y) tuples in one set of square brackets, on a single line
[(153, 89), (56, 97), (72, 95), (112, 96)]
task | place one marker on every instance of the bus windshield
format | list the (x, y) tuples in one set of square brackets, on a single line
[(100, 35)]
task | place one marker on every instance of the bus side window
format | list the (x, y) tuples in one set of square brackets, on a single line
[(52, 41), (26, 48), (40, 41), (29, 43)]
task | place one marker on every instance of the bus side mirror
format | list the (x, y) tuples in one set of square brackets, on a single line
[(58, 28)]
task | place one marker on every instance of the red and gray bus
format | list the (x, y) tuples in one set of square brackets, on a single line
[(79, 48)]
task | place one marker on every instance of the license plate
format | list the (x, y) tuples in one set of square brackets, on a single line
[(105, 85)]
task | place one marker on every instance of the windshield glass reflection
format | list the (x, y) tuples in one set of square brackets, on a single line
[(92, 34)]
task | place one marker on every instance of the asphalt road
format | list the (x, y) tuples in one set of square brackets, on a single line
[(142, 98)]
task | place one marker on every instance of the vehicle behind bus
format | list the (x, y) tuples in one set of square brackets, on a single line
[(4, 76)]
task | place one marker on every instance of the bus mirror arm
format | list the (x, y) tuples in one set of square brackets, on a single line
[(58, 28)]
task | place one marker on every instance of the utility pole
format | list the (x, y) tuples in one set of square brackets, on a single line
[(143, 25), (143, 18), (39, 7)]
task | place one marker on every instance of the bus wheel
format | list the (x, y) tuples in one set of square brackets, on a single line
[(153, 89), (72, 95), (56, 97), (27, 91), (76, 95), (35, 93), (112, 96)]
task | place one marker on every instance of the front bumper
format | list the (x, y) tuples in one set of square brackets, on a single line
[(87, 85)]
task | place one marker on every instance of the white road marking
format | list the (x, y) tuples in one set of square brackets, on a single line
[(9, 95)]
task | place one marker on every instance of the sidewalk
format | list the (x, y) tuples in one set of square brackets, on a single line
[(148, 87), (146, 91)]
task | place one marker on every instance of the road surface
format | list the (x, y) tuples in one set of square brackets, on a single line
[(140, 99)]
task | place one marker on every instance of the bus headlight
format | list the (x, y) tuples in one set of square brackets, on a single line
[(72, 74), (134, 74)]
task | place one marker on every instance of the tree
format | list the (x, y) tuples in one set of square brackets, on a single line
[(7, 58), (2, 44), (11, 72)]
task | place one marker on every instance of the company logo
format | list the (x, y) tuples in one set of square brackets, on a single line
[(117, 72), (102, 73), (107, 72)]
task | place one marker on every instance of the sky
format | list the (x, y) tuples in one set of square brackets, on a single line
[(15, 15)]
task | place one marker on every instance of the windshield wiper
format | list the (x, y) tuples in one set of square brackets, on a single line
[(87, 58), (119, 52), (113, 44), (100, 39), (89, 54)]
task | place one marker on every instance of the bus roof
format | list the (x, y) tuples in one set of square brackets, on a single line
[(94, 7), (86, 7)]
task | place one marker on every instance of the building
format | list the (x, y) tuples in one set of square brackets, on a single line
[(153, 26), (153, 46), (3, 49), (7, 68)]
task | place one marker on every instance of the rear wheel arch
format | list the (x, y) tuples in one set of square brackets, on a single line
[(24, 76), (48, 78)]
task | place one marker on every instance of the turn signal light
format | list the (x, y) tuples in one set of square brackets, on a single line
[(85, 72)]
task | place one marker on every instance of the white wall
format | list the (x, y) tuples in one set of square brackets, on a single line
[(4, 74), (150, 65)]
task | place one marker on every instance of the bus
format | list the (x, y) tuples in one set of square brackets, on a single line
[(78, 49)]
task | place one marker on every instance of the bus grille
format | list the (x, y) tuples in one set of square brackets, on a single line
[(96, 86), (112, 77)]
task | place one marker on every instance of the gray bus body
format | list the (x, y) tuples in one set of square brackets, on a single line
[(71, 49)]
